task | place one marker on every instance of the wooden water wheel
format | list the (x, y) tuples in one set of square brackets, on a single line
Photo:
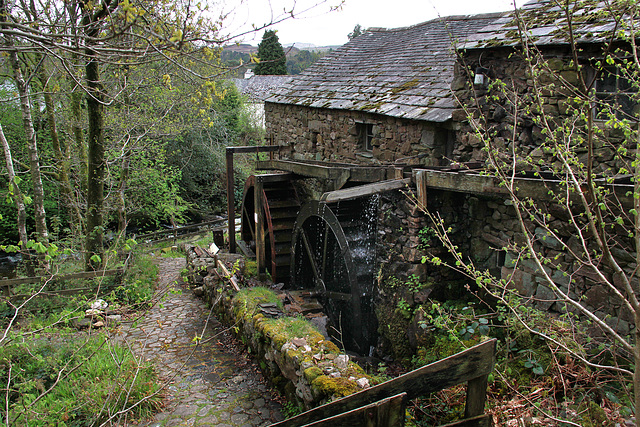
[(333, 253), (279, 211)]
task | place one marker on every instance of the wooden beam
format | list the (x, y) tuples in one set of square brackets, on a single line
[(231, 209), (258, 194), (476, 396), (389, 412), (71, 276), (421, 187), (325, 170), (248, 149), (277, 177), (369, 173), (472, 363), (228, 275), (304, 169), (479, 421), (364, 190), (538, 189)]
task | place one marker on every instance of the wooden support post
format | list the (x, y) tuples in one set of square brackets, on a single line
[(271, 157), (259, 221), (231, 210), (228, 275), (421, 184), (476, 396)]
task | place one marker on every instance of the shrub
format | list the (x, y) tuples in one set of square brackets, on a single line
[(73, 380)]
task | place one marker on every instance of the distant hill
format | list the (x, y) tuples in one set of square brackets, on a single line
[(299, 56), (312, 47)]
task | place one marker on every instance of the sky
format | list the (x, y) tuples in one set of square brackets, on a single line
[(329, 22)]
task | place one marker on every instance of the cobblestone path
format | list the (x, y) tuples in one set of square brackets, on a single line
[(212, 384)]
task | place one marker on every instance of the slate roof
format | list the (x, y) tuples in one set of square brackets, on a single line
[(259, 88), (546, 24), (403, 72)]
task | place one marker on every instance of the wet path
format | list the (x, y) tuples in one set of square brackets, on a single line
[(212, 384)]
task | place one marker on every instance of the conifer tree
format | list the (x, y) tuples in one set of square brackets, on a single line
[(273, 60)]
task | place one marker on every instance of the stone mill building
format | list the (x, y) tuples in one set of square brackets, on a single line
[(402, 128)]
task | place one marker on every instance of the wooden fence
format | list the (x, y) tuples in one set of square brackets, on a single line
[(174, 233), (7, 284), (384, 404)]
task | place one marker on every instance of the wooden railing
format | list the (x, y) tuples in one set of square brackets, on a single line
[(7, 284), (384, 404), (174, 233)]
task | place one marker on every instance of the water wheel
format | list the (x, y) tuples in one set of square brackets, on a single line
[(280, 207), (333, 253)]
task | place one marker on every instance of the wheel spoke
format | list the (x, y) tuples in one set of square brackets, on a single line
[(312, 261), (324, 250), (250, 220)]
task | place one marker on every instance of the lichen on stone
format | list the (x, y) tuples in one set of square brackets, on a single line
[(245, 303), (335, 387), (311, 373)]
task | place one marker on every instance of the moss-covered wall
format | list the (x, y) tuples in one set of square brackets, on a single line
[(308, 368)]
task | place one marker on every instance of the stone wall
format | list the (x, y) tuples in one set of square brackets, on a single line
[(506, 123), (483, 228), (487, 231), (515, 97), (332, 135), (292, 353)]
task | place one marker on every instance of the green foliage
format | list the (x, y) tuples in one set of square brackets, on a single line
[(357, 31), (138, 285), (298, 62), (291, 409), (96, 378), (271, 56), (404, 309), (199, 153)]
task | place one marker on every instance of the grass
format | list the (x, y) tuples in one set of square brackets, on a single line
[(138, 284), (73, 380), (59, 376), (247, 300)]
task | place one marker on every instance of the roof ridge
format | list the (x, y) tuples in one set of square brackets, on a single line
[(490, 15)]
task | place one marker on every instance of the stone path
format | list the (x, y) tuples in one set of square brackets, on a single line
[(212, 384)]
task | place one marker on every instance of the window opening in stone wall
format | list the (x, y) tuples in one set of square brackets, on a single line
[(501, 258), (365, 135), (314, 140), (613, 89)]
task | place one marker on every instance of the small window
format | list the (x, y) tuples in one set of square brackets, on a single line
[(365, 136), (615, 90)]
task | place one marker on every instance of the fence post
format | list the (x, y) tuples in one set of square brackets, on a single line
[(231, 210)]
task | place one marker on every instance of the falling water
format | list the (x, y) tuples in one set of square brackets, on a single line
[(346, 260)]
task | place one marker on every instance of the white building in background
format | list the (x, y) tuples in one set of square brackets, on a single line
[(257, 89)]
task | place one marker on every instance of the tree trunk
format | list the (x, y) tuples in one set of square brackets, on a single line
[(96, 169), (34, 161), (76, 129), (18, 198), (62, 162), (122, 213)]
